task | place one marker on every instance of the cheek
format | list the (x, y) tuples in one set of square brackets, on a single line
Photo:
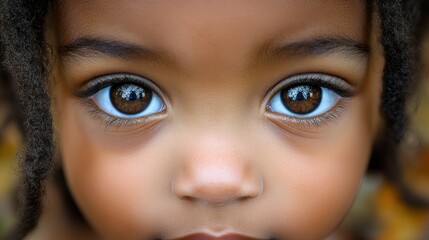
[(314, 182), (112, 182), (122, 186), (315, 189)]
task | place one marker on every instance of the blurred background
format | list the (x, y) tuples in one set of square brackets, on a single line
[(379, 212)]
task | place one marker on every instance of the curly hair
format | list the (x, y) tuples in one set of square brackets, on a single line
[(24, 51), (22, 39)]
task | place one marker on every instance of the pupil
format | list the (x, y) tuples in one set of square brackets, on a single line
[(300, 96), (133, 96), (302, 99), (130, 98)]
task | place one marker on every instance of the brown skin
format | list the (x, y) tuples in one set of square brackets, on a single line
[(215, 159)]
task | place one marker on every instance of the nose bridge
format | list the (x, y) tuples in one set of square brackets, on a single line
[(219, 106), (215, 170)]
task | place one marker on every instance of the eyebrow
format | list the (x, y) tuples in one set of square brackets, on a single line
[(89, 47), (349, 47)]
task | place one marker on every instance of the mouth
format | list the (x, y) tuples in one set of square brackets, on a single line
[(204, 236)]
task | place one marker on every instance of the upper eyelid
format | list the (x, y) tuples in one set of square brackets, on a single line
[(328, 80), (313, 122), (92, 86)]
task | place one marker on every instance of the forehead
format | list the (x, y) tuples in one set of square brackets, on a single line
[(222, 34), (165, 18)]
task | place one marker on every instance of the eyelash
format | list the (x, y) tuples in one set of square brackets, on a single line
[(330, 117), (94, 86), (335, 84)]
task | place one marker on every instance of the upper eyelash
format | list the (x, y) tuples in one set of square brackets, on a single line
[(339, 86), (336, 84), (98, 83), (345, 91)]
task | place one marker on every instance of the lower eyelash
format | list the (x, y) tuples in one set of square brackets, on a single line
[(110, 121), (313, 123), (107, 120)]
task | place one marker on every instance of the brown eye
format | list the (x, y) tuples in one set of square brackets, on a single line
[(302, 99), (127, 96), (130, 98)]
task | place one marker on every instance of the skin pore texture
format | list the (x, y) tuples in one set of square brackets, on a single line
[(216, 157)]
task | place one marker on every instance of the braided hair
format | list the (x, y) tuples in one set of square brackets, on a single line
[(24, 51)]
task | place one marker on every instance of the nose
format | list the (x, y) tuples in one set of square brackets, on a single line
[(217, 175)]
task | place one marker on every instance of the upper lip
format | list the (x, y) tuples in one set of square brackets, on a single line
[(205, 236)]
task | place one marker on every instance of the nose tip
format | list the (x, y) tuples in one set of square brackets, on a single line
[(217, 184)]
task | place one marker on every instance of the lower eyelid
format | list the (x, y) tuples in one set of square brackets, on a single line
[(311, 125), (94, 113), (108, 121)]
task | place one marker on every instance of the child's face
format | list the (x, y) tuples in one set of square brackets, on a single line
[(247, 116)]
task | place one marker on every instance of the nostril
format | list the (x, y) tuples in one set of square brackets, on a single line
[(209, 193), (242, 199), (216, 191), (215, 202)]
